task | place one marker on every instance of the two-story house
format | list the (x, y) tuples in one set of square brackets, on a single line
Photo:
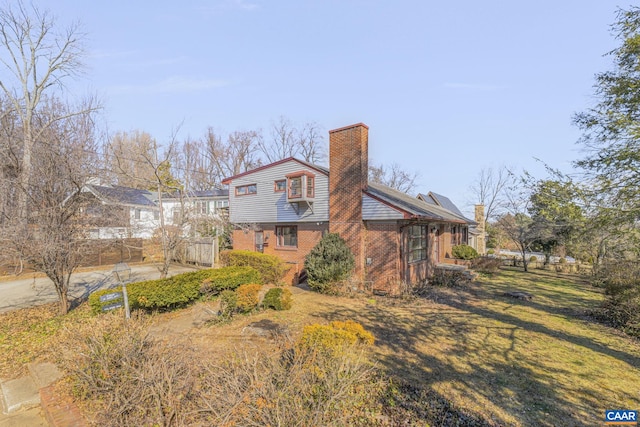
[(285, 207), (116, 212)]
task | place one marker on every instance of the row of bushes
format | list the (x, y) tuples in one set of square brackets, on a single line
[(242, 267)]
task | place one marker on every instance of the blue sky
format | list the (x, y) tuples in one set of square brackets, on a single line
[(446, 88)]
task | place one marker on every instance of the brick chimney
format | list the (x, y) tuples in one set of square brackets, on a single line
[(348, 176)]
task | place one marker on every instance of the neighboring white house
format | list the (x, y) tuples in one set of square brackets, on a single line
[(198, 212), (124, 212), (120, 212)]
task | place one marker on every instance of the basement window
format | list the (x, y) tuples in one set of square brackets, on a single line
[(417, 242)]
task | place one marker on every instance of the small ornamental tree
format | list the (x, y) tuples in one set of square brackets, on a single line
[(328, 263)]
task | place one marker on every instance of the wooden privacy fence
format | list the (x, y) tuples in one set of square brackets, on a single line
[(94, 252), (203, 251), (111, 251)]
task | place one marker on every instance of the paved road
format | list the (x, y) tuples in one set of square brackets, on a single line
[(30, 292)]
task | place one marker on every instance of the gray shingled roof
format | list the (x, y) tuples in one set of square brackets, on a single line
[(413, 205), (123, 195), (445, 202)]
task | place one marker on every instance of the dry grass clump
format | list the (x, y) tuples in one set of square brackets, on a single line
[(126, 378)]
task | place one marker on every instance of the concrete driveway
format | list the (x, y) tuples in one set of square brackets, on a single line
[(29, 292)]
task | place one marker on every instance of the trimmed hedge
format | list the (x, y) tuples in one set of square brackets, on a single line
[(272, 269), (278, 299), (180, 289), (228, 278)]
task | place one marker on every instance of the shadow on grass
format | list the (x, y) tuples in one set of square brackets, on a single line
[(501, 387), (517, 391)]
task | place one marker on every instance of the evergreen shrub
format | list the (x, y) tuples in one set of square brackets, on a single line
[(278, 299), (228, 303), (329, 262), (464, 252)]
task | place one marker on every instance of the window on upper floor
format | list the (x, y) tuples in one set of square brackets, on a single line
[(310, 187), (417, 241), (280, 185), (136, 213), (301, 185), (243, 190), (295, 187), (287, 236)]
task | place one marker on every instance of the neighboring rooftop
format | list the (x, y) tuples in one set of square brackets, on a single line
[(443, 201), (413, 205), (123, 195)]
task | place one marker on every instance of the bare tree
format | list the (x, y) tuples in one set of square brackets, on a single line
[(490, 190), (283, 143), (37, 59), (311, 143), (515, 222), (63, 159), (394, 177), (238, 154), (288, 140), (171, 234), (194, 167), (127, 159)]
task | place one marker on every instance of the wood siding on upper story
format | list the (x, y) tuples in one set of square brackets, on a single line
[(270, 206), (373, 209)]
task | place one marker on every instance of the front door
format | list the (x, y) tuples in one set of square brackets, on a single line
[(259, 240)]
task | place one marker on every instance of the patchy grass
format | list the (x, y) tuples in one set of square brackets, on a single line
[(465, 356), (32, 334)]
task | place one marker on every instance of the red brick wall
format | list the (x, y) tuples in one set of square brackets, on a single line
[(309, 234), (348, 162), (383, 250)]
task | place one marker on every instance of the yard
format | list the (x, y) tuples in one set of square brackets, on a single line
[(468, 354)]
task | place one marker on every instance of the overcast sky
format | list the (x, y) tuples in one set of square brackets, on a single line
[(446, 88)]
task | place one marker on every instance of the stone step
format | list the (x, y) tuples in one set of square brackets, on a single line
[(20, 393), (23, 392)]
